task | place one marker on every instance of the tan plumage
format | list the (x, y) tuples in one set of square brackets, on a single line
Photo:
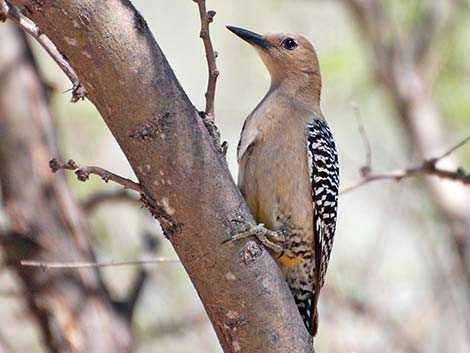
[(276, 166)]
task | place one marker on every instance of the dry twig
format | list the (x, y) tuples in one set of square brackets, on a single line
[(83, 173), (8, 11), (428, 167), (368, 166), (208, 115), (211, 55), (77, 265)]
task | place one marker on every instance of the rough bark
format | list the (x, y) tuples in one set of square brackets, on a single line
[(42, 220), (187, 185)]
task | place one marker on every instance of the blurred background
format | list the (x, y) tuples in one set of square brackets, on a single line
[(399, 277)]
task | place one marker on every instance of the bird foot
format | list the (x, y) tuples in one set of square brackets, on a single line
[(273, 240)]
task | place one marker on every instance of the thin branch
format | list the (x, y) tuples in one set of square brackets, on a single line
[(368, 166), (77, 265), (96, 199), (206, 18), (427, 168), (8, 11), (453, 149), (83, 173), (208, 115)]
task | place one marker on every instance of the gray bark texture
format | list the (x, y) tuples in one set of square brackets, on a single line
[(41, 220), (187, 185)]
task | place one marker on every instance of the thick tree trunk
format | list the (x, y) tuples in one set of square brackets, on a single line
[(187, 184), (41, 219)]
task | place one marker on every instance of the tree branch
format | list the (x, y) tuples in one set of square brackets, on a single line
[(45, 265), (208, 115), (365, 139), (7, 11), (83, 174), (428, 167), (206, 18), (452, 150)]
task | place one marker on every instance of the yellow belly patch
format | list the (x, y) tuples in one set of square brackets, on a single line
[(288, 261)]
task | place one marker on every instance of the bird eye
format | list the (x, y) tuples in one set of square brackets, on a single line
[(289, 43)]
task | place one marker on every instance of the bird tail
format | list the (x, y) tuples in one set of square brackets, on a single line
[(309, 313)]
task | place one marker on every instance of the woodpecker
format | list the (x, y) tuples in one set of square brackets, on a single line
[(288, 168)]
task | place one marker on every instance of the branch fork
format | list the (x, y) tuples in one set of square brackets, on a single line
[(427, 167)]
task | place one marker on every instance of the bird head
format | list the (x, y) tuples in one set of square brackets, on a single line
[(290, 58)]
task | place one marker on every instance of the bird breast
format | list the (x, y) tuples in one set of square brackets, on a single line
[(274, 176)]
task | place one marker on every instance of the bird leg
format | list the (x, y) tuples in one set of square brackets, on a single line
[(273, 240)]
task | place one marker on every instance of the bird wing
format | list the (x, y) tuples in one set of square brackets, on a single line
[(324, 174), (248, 137)]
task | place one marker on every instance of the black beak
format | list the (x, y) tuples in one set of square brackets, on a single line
[(251, 37)]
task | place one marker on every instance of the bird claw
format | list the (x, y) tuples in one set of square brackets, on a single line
[(241, 235), (273, 240)]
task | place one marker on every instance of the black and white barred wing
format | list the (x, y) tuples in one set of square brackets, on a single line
[(324, 172)]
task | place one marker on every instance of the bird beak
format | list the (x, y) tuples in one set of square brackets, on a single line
[(251, 37)]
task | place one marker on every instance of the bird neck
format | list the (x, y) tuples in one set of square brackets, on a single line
[(303, 90)]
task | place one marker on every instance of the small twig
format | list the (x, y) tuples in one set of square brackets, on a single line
[(96, 199), (208, 116), (83, 173), (8, 11), (398, 175), (427, 168), (76, 265), (365, 170), (452, 150), (211, 55)]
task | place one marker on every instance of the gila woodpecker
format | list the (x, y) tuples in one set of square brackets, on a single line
[(288, 170)]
